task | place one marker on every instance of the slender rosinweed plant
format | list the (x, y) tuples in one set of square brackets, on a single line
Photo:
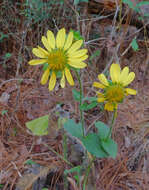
[(63, 54)]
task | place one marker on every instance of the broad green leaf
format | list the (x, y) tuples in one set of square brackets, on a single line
[(103, 129), (84, 106), (93, 144), (73, 128), (110, 147), (134, 45), (87, 106), (39, 126), (76, 95)]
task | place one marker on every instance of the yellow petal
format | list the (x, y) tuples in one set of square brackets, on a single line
[(60, 38), (115, 72), (51, 39), (43, 51), (100, 100), (131, 91), (45, 76), (37, 52), (129, 79), (46, 43), (98, 85), (52, 81), (124, 74), (103, 79), (69, 76), (80, 65), (68, 41), (100, 95), (37, 61), (109, 106), (62, 82), (75, 46), (78, 60), (78, 53)]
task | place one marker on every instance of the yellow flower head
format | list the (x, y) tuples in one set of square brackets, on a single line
[(114, 91), (61, 54)]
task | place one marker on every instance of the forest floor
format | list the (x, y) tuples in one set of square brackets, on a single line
[(23, 98)]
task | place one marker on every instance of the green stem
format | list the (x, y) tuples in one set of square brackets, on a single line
[(112, 124), (87, 173), (81, 98), (65, 150)]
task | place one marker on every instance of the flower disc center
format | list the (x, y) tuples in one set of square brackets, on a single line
[(115, 93), (57, 60)]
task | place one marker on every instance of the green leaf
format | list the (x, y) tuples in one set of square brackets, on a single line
[(79, 1), (103, 129), (110, 147), (74, 169), (59, 74), (90, 99), (1, 185), (76, 95), (73, 128), (45, 66), (87, 106), (77, 35), (84, 1), (39, 126), (3, 112), (30, 162), (142, 3), (134, 45), (131, 5), (93, 144), (7, 55), (76, 2)]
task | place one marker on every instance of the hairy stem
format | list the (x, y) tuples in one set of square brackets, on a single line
[(81, 98)]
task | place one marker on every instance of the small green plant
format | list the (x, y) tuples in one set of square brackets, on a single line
[(137, 7), (3, 112), (134, 45)]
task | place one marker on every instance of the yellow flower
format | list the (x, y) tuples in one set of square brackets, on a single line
[(61, 54), (114, 91)]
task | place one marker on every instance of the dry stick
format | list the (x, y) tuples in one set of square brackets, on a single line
[(24, 33), (17, 79), (128, 19)]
